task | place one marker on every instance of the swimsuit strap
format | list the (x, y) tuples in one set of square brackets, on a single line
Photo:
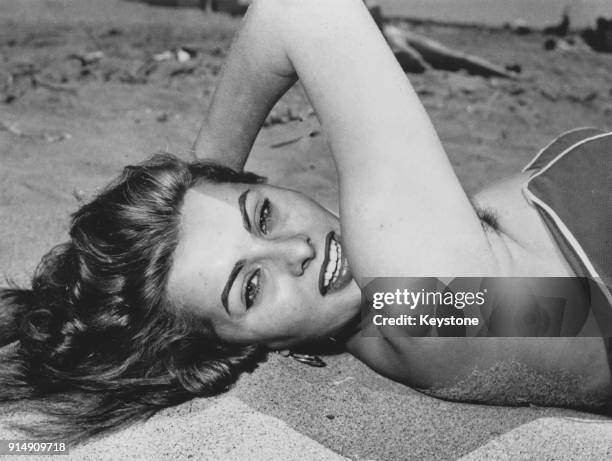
[(559, 145)]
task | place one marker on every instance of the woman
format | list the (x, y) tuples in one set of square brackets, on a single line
[(179, 275)]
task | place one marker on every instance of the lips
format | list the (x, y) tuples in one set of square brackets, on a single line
[(335, 273)]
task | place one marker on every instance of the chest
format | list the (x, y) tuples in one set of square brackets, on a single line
[(522, 243)]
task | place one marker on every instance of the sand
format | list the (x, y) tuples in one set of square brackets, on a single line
[(70, 120)]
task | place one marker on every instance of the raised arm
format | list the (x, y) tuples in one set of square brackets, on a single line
[(403, 211), (255, 75)]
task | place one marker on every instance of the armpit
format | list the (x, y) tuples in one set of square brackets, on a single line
[(488, 218)]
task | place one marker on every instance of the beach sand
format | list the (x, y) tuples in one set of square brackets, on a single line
[(70, 119)]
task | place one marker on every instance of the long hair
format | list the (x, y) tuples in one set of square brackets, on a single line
[(96, 343)]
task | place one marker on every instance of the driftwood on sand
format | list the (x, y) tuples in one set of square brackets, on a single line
[(600, 38), (417, 53)]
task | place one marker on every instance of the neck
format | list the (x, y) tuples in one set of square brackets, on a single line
[(349, 330)]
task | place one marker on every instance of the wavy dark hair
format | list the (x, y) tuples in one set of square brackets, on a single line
[(95, 343)]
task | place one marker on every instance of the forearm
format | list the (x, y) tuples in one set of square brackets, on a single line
[(328, 44), (252, 81)]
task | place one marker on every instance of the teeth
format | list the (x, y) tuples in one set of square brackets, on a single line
[(333, 251), (333, 266)]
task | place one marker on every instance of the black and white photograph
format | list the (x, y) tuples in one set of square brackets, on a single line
[(367, 230)]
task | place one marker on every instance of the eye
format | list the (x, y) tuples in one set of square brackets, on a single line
[(252, 288), (265, 215)]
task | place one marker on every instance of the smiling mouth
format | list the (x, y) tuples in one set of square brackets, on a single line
[(335, 273)]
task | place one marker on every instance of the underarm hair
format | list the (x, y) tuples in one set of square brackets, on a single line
[(488, 218)]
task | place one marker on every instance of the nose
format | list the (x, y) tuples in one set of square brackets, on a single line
[(295, 252)]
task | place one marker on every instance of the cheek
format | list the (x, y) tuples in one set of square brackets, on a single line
[(293, 302), (303, 214), (290, 311)]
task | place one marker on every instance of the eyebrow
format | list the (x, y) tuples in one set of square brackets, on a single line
[(230, 281), (242, 205)]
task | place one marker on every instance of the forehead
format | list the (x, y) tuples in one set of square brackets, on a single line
[(209, 210), (209, 243)]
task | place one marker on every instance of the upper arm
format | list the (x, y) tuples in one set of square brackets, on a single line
[(403, 210), (572, 370)]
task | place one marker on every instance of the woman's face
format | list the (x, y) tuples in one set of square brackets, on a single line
[(263, 264)]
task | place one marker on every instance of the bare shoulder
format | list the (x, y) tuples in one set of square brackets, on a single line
[(560, 371), (519, 237)]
